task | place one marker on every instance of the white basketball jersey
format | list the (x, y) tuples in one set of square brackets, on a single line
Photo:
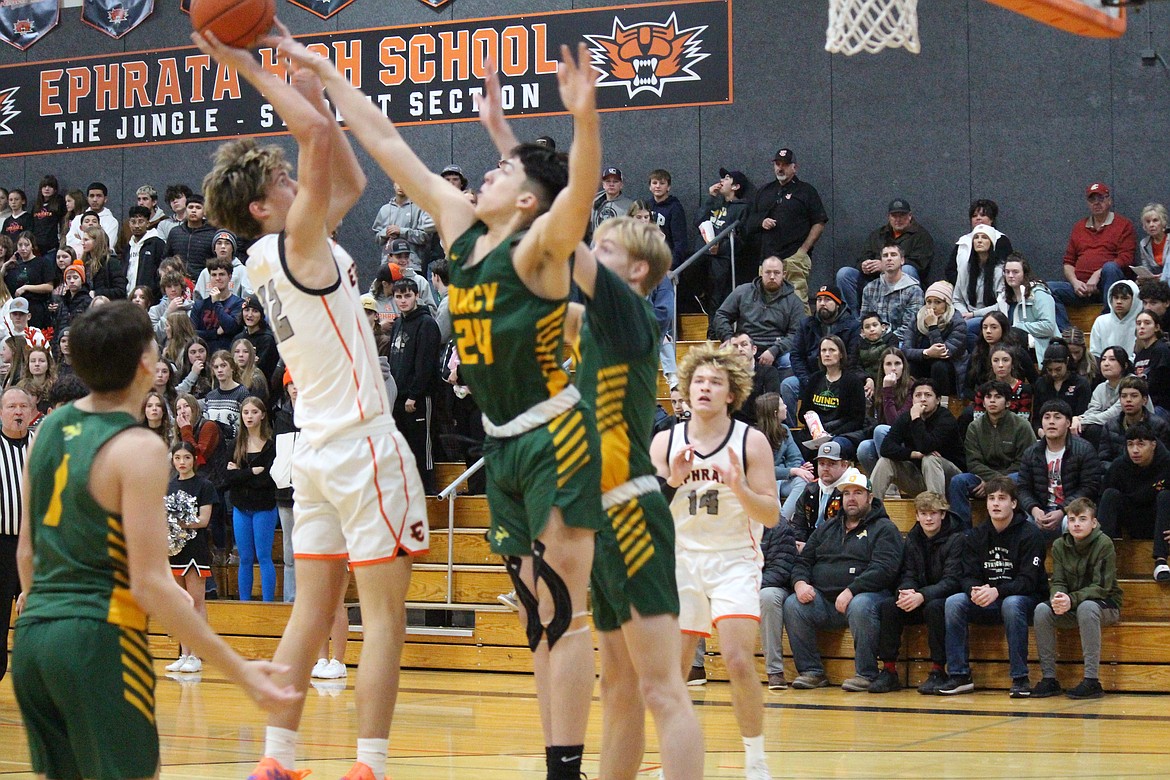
[(708, 517), (326, 342)]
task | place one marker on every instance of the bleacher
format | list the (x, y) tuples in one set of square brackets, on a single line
[(1135, 653)]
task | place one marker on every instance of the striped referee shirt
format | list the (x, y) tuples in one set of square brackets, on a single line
[(12, 452)]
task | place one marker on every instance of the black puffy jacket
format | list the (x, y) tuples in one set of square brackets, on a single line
[(779, 547)]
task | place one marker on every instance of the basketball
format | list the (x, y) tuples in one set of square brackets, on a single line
[(236, 23)]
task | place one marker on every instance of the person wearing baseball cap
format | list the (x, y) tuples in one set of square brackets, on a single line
[(1099, 254), (787, 218), (846, 570), (726, 203), (455, 175), (830, 317), (820, 500), (401, 219), (902, 229), (609, 202)]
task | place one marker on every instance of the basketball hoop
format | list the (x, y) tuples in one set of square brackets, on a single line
[(872, 25)]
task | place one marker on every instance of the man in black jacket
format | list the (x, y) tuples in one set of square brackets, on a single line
[(415, 349), (779, 547), (902, 229), (1003, 581), (142, 253), (1133, 393), (846, 569), (725, 204), (821, 499), (1136, 495), (830, 317), (1057, 470), (194, 239), (932, 565), (923, 450)]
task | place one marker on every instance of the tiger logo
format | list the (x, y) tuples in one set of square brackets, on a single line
[(646, 56)]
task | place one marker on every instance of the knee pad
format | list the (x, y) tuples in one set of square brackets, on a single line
[(527, 598), (563, 615)]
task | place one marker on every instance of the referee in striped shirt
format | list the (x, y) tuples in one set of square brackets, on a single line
[(16, 411)]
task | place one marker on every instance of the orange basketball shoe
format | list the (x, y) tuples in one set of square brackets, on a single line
[(270, 769), (360, 771)]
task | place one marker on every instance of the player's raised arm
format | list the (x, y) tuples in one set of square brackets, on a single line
[(491, 112), (452, 212), (554, 235)]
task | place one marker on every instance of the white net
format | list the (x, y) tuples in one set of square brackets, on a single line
[(872, 25)]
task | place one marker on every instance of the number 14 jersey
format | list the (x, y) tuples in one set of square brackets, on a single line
[(708, 517)]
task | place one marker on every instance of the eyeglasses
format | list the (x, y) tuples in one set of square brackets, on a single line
[(1097, 198)]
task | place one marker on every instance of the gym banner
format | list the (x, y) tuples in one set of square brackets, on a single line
[(116, 17), (24, 22), (650, 56), (322, 8)]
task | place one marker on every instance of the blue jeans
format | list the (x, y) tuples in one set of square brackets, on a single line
[(802, 621), (1012, 611), (1062, 291), (849, 279), (869, 450), (790, 392), (959, 494), (790, 490), (255, 531)]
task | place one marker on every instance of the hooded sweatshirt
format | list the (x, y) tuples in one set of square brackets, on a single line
[(1109, 330), (1011, 560), (933, 565), (1140, 485), (771, 319), (864, 560), (896, 304), (1085, 569), (1001, 247), (671, 217)]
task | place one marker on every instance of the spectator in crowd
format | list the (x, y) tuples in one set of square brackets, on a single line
[(1135, 496), (779, 547), (95, 198), (254, 515), (1004, 369), (1029, 303), (1104, 403), (217, 318), (103, 269), (977, 271), (75, 206), (765, 378), (62, 259), (1100, 248), (1078, 351), (440, 281), (610, 202), (193, 238), (29, 275), (1152, 249), (726, 203), (937, 344), (258, 332), (1083, 594), (455, 177), (993, 447), (48, 214), (793, 472), (1133, 394), (768, 310), (849, 565), (414, 352), (18, 323), (1003, 581), (1056, 470), (391, 272), (1117, 325), (226, 247), (895, 295), (285, 434), (19, 219), (788, 218), (915, 247), (923, 450), (1155, 298), (143, 251), (176, 198), (190, 501), (667, 212), (226, 397), (837, 394), (995, 330), (875, 338), (146, 196), (251, 377), (172, 301), (13, 352), (1059, 381), (39, 377), (76, 298), (821, 499), (932, 566), (891, 399), (402, 219), (830, 317), (1151, 360)]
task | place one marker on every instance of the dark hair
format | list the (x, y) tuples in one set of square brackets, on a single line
[(55, 202), (175, 190), (19, 192), (984, 206), (925, 382), (218, 264), (1058, 352), (97, 185), (1001, 484), (78, 203), (841, 350), (67, 388), (659, 173), (1141, 430), (440, 269), (138, 211), (1134, 383), (866, 315), (741, 332), (194, 197), (901, 388), (1057, 406), (546, 170), (1031, 280), (186, 446), (1153, 318), (106, 344), (987, 273), (1154, 290), (405, 285), (996, 386), (32, 240), (90, 213), (1081, 506), (1121, 355), (895, 245), (1120, 290)]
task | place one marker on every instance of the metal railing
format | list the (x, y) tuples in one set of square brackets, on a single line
[(703, 251), (449, 494)]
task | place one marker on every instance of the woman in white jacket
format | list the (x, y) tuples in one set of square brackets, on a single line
[(1154, 249), (1029, 304), (978, 275)]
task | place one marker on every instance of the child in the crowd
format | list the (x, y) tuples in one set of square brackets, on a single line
[(1085, 595), (875, 339), (190, 499)]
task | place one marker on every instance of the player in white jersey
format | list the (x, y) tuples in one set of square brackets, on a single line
[(721, 484), (358, 497)]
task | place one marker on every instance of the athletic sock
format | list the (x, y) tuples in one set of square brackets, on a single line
[(372, 753), (753, 749), (281, 744), (563, 761), (937, 668), (890, 666)]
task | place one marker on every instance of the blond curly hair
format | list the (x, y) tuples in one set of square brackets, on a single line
[(240, 175), (723, 358)]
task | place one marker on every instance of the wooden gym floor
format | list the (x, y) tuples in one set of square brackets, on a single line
[(460, 724)]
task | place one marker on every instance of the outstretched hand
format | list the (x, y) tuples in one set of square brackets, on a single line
[(297, 53), (577, 81), (489, 103), (256, 680), (239, 59)]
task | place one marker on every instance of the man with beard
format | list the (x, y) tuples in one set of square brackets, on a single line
[(830, 317), (765, 378), (766, 309)]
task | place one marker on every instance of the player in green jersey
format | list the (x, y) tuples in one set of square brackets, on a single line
[(509, 254), (93, 565)]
